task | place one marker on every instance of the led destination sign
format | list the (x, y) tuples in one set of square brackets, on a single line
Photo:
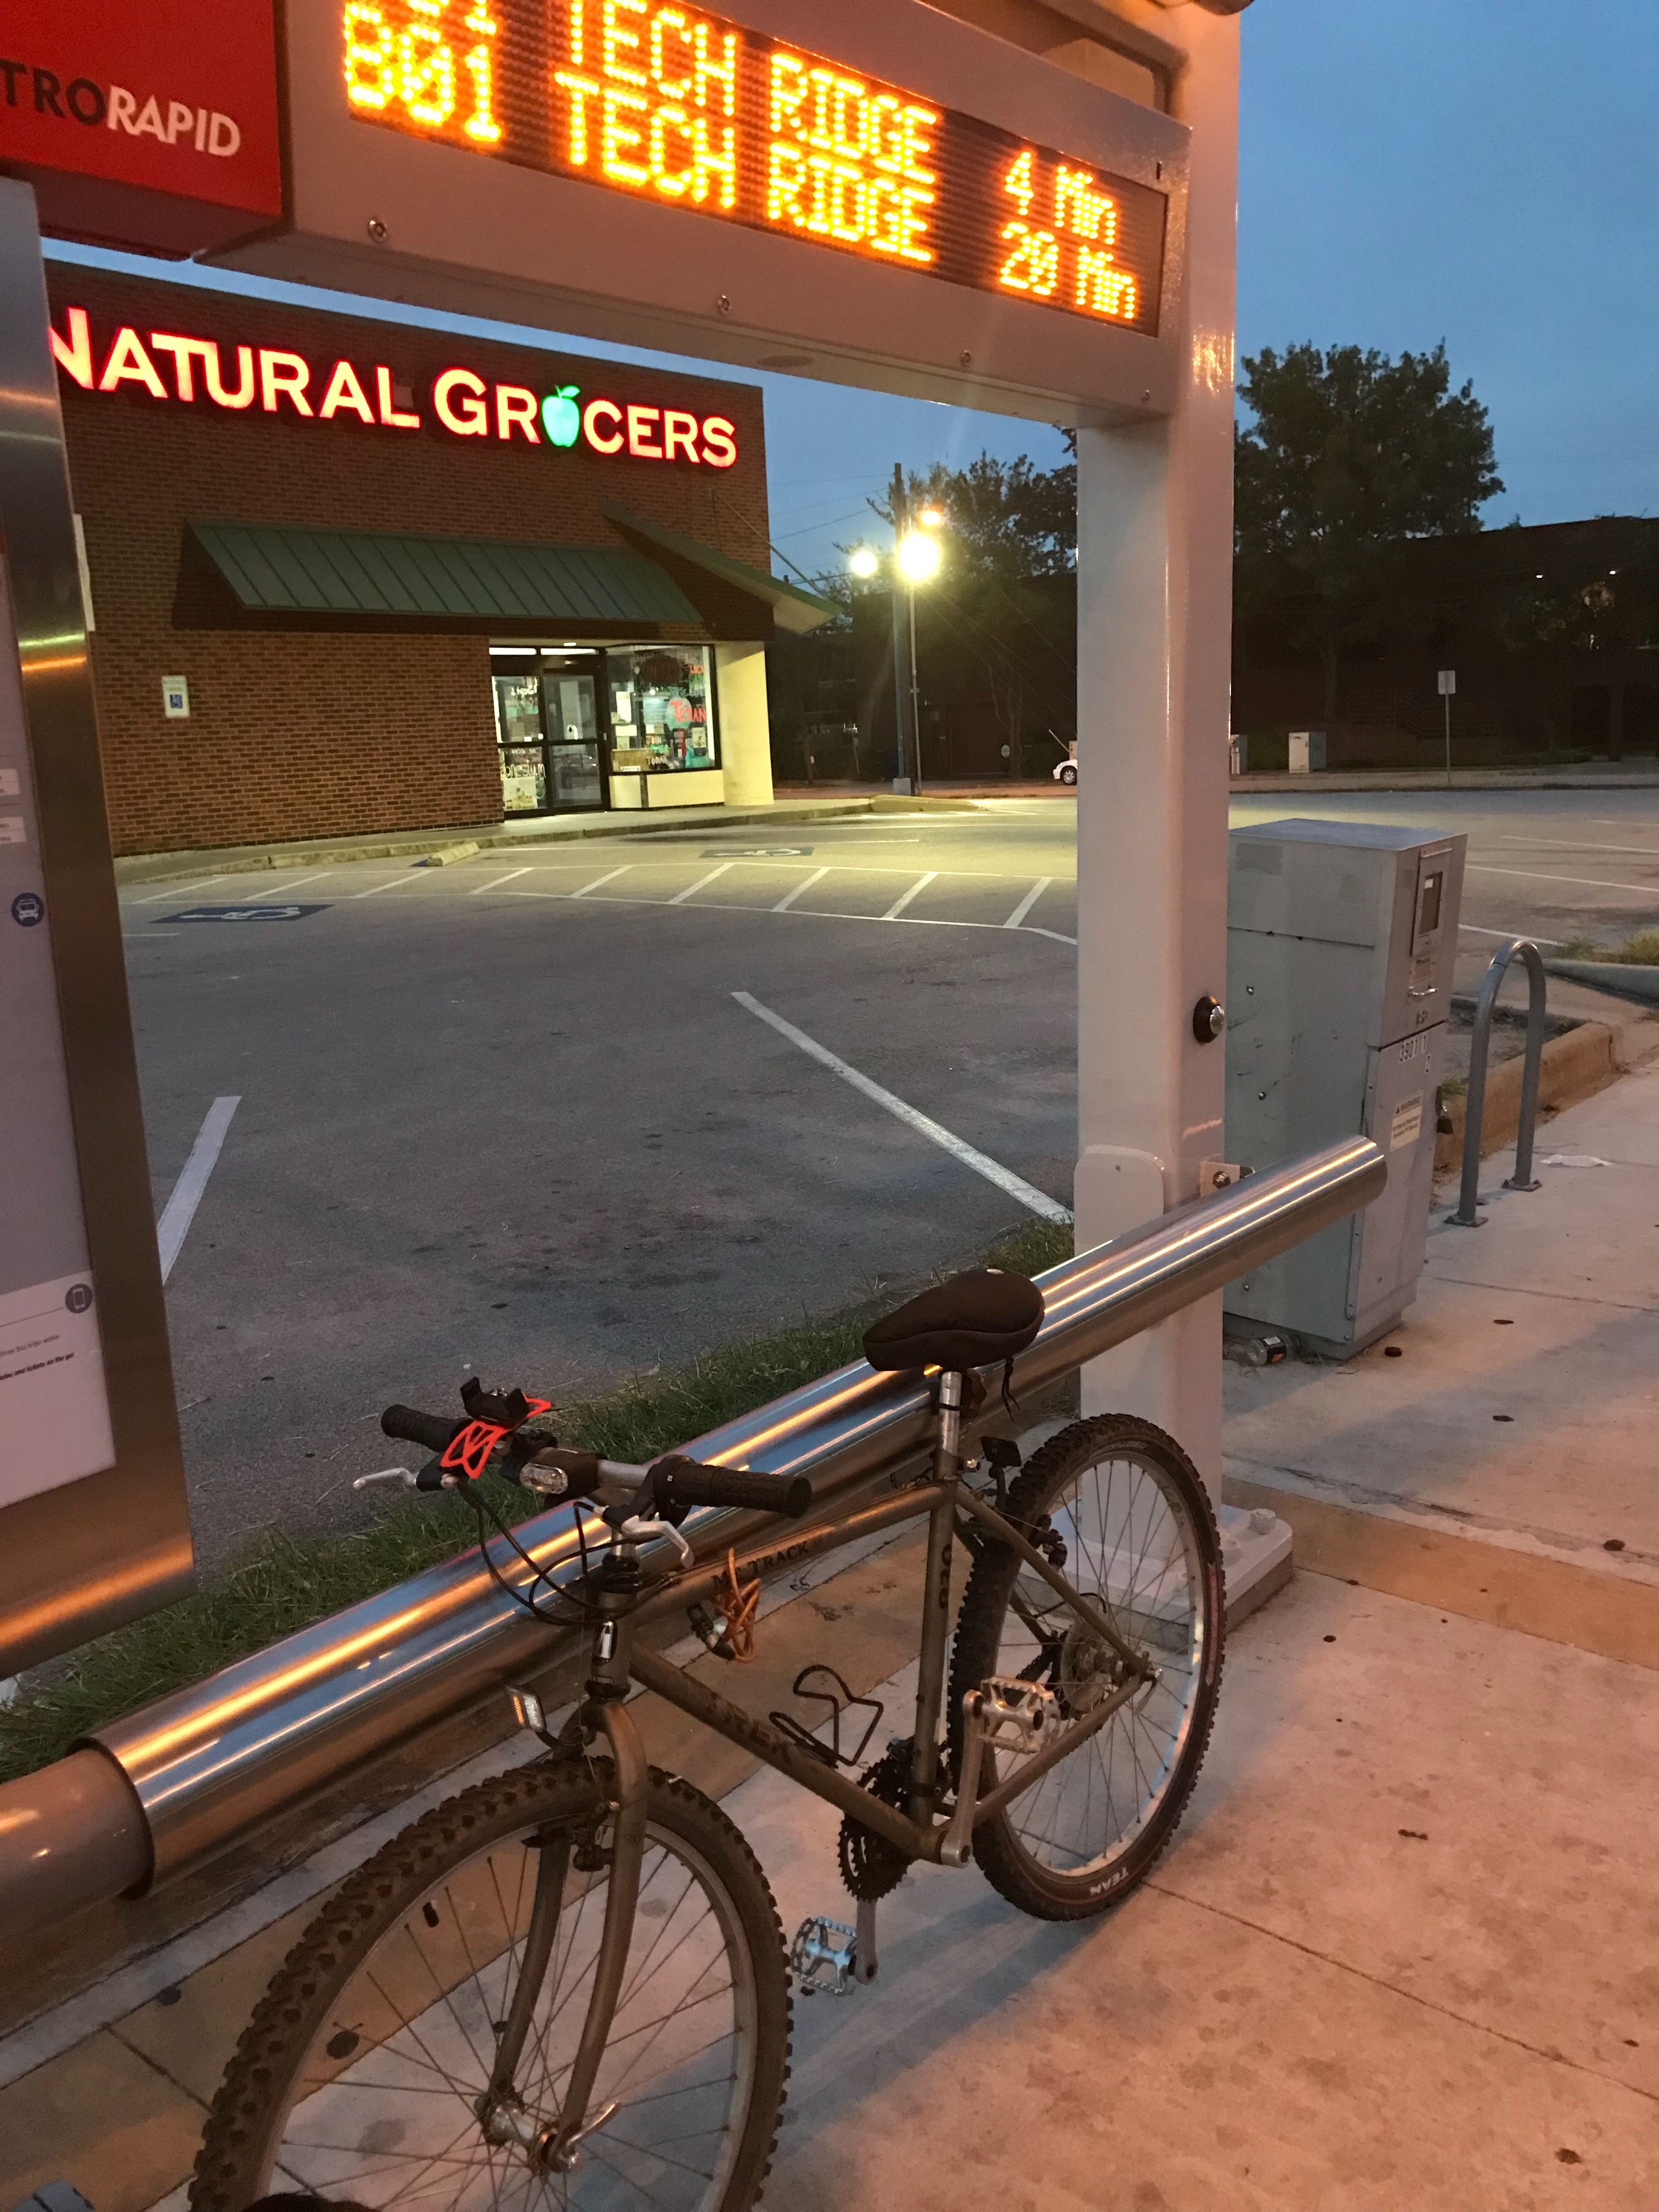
[(685, 109)]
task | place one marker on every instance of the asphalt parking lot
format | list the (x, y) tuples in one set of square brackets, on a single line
[(509, 1117)]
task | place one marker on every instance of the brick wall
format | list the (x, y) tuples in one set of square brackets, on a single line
[(297, 734)]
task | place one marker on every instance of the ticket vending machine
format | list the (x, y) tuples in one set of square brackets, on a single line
[(1340, 942)]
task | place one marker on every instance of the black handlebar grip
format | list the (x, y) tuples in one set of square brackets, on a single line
[(433, 1432), (677, 1481)]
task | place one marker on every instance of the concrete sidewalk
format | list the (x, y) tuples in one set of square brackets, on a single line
[(1402, 1952), (1498, 1453), (1400, 1956)]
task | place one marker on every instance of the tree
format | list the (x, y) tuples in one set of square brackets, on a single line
[(998, 621), (1008, 519), (1350, 453)]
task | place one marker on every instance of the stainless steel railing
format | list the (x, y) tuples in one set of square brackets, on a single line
[(189, 1775)]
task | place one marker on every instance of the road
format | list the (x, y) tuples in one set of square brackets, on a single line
[(509, 1117)]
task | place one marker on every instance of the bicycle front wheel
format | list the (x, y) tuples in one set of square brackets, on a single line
[(366, 2072), (1121, 1509)]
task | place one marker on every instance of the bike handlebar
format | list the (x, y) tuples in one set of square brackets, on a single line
[(433, 1432), (671, 1486), (676, 1481)]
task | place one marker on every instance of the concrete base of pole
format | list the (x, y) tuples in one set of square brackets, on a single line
[(1255, 1558)]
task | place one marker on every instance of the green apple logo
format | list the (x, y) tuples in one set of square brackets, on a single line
[(560, 416)]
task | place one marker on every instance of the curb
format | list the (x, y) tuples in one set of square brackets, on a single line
[(1624, 979), (1429, 780), (426, 844), (416, 844), (1572, 1067)]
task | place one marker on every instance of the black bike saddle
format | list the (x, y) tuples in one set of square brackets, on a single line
[(974, 1320)]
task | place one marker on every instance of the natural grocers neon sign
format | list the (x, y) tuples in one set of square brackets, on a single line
[(463, 405)]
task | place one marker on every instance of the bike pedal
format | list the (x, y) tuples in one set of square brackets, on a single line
[(1015, 1715), (824, 1957)]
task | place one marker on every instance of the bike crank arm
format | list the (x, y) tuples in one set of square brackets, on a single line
[(1058, 1747)]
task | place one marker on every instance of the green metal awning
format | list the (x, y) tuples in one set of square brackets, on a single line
[(793, 609), (275, 569)]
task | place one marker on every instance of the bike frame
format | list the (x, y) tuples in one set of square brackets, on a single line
[(619, 1659)]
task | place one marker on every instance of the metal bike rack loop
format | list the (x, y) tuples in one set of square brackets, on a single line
[(169, 1786), (1467, 1214)]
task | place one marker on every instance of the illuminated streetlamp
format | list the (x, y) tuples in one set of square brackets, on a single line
[(916, 559), (918, 556)]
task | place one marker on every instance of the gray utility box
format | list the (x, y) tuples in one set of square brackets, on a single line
[(1340, 941)]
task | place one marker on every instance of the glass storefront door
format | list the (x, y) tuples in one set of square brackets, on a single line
[(570, 712), (547, 727)]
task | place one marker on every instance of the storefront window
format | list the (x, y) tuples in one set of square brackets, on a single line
[(518, 708), (661, 704)]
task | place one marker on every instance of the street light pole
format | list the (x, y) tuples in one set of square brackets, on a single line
[(914, 557), (900, 507), (916, 689)]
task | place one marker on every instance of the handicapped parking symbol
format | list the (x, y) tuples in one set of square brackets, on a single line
[(28, 908)]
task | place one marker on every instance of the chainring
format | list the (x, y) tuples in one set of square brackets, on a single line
[(871, 1865)]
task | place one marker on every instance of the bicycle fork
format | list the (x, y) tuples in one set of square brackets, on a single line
[(555, 2147)]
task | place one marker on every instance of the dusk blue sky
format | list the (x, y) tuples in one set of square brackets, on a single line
[(1485, 172)]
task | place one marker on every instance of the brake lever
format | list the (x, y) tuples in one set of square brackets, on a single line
[(430, 1477), (647, 1532), (403, 1474)]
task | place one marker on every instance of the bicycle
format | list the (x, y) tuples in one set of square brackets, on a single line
[(568, 1986)]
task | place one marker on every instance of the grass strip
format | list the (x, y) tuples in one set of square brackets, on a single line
[(1641, 951), (282, 1584)]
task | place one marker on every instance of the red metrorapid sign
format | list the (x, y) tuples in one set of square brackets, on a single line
[(140, 124)]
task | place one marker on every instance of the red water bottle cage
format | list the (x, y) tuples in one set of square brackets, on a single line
[(469, 1449)]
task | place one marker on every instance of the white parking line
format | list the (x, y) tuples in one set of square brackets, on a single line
[(805, 884), (802, 913), (180, 1209), (413, 878), (1474, 932), (691, 890), (595, 885), (1028, 902), (1036, 1201), (494, 880), (178, 891), (1556, 845), (281, 890), (899, 904), (1532, 876)]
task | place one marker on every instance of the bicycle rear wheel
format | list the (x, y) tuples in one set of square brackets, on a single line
[(363, 2071), (1139, 1539)]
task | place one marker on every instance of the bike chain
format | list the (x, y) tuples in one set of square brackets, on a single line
[(871, 1865)]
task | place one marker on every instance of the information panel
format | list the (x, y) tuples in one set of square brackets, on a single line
[(54, 1401), (94, 1524), (685, 109)]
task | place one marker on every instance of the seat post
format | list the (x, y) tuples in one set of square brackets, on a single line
[(936, 1601)]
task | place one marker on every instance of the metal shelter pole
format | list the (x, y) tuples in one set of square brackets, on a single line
[(1154, 608)]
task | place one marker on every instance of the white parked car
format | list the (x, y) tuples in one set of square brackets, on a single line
[(1065, 770)]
